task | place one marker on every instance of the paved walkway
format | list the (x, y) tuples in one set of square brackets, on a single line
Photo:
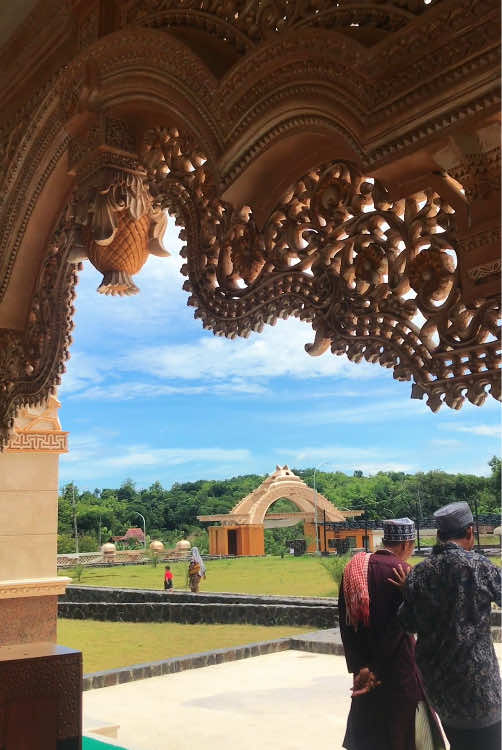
[(284, 701)]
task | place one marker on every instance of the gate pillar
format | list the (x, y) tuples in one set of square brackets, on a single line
[(40, 682)]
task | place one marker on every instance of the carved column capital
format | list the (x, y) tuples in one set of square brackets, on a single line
[(37, 429), (472, 161)]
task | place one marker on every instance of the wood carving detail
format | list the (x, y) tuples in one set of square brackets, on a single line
[(38, 429), (478, 273), (377, 278), (255, 21), (32, 362), (117, 224)]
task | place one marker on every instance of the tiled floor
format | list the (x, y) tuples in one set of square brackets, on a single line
[(283, 701)]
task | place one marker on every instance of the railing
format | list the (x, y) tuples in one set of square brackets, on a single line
[(124, 557), (487, 522)]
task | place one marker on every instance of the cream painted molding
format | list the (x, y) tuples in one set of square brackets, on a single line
[(25, 587), (38, 442)]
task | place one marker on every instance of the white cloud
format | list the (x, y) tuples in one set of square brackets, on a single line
[(81, 370), (86, 447), (219, 366), (278, 351), (127, 391), (375, 411), (330, 455), (144, 456), (339, 457), (93, 456), (376, 466), (447, 443), (483, 430), (478, 469)]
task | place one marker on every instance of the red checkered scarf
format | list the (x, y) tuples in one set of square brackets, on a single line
[(355, 590)]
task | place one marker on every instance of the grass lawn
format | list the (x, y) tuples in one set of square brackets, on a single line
[(288, 576), (106, 645)]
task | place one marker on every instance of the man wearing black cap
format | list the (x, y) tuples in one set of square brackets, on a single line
[(447, 602), (388, 710)]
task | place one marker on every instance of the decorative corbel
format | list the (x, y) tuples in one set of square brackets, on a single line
[(472, 161), (118, 222)]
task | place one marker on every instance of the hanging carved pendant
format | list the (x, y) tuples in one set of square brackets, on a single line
[(123, 257)]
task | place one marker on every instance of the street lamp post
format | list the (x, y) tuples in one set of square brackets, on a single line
[(419, 515), (74, 506), (144, 526)]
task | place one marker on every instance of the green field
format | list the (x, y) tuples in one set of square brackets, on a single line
[(487, 539), (107, 645), (288, 576)]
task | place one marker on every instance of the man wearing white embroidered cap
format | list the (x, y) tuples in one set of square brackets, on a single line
[(389, 709), (447, 602)]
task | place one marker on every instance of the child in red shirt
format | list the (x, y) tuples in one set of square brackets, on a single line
[(168, 579)]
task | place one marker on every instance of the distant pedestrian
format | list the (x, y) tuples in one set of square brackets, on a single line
[(168, 579), (447, 601), (196, 570)]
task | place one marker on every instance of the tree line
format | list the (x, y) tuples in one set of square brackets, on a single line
[(172, 513)]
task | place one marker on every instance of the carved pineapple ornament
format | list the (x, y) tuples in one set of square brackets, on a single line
[(123, 257), (125, 251)]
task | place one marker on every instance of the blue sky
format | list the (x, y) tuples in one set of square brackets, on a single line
[(149, 394)]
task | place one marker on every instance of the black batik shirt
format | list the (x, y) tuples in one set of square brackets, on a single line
[(447, 603)]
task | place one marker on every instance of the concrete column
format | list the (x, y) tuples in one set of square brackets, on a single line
[(212, 540), (40, 701), (29, 585)]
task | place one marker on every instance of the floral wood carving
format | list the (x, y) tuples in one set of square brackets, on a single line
[(242, 22), (377, 278), (32, 362)]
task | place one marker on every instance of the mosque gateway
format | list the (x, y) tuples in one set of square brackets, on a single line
[(337, 162)]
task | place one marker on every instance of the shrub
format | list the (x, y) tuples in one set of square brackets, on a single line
[(200, 539), (66, 544), (87, 543), (78, 571), (335, 566), (152, 557)]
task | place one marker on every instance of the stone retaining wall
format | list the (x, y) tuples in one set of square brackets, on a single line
[(75, 593), (140, 605), (180, 663), (251, 614)]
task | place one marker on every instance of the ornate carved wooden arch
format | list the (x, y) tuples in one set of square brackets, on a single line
[(282, 483), (379, 269), (377, 277)]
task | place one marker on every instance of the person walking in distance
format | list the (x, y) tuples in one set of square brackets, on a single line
[(447, 601), (196, 570), (388, 710)]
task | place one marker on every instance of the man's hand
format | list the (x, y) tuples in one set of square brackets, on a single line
[(364, 682), (400, 577)]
